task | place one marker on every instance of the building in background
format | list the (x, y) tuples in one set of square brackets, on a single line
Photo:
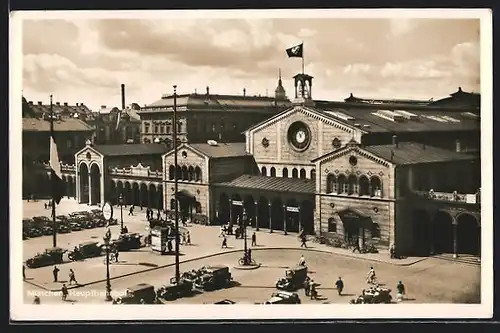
[(114, 126)]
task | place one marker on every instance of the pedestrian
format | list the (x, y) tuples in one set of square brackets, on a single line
[(72, 277), (356, 247), (254, 239), (340, 285), (224, 242), (117, 253), (184, 222), (131, 211), (307, 286), (222, 231), (401, 291), (45, 205), (24, 272), (302, 260), (169, 246), (392, 251), (313, 291), (147, 214), (55, 272), (188, 238), (303, 241), (64, 292), (183, 239)]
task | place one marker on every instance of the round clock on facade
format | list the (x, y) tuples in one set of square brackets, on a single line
[(299, 135), (353, 160)]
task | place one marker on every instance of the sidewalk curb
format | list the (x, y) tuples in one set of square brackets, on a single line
[(217, 254)]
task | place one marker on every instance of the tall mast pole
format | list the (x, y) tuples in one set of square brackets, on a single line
[(303, 57), (176, 188), (52, 178)]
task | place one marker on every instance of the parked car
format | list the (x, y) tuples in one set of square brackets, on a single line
[(214, 277), (135, 294), (75, 226), (63, 229), (51, 256), (294, 279), (284, 297), (127, 242), (175, 290), (86, 250), (374, 295)]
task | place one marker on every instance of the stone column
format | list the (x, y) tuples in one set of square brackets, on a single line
[(300, 222), (117, 195), (90, 189), (270, 218), (455, 242), (256, 210), (285, 217), (230, 210)]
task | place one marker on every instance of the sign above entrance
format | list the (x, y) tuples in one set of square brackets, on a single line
[(237, 203), (292, 209), (107, 211)]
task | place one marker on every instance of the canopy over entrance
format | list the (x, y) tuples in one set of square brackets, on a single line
[(354, 218), (185, 196)]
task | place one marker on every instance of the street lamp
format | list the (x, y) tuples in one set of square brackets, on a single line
[(120, 201), (107, 238), (244, 225)]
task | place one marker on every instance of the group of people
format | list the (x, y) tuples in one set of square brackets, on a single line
[(55, 273), (224, 239)]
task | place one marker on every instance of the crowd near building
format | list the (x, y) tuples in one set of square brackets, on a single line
[(403, 173)]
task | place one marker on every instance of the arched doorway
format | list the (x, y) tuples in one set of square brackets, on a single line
[(84, 183), (144, 195), (120, 191), (468, 234), (277, 215), (292, 216), (73, 187), (236, 210), (443, 232), (249, 205), (263, 211), (112, 193), (136, 194), (160, 197), (307, 216), (422, 237), (224, 207), (127, 194), (153, 197), (95, 186)]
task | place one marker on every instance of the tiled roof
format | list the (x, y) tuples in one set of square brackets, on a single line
[(131, 149), (416, 153), (294, 185), (39, 108), (63, 125), (221, 149), (354, 99)]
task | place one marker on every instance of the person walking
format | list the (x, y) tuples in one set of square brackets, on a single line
[(72, 277), (55, 272), (224, 242), (303, 241), (307, 286), (131, 211), (64, 292), (222, 231), (117, 253), (254, 239), (340, 286), (401, 291)]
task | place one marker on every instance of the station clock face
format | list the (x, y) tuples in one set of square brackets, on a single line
[(299, 136)]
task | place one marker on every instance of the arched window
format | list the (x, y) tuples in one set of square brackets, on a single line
[(302, 173), (341, 184), (285, 173), (179, 172), (190, 173), (331, 184), (313, 174), (376, 187), (352, 183), (295, 173), (364, 185), (171, 174), (272, 171), (197, 174), (263, 171), (185, 173)]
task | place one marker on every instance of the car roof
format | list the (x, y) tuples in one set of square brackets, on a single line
[(140, 286), (88, 243)]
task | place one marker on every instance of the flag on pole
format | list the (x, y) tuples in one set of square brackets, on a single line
[(58, 186), (295, 51)]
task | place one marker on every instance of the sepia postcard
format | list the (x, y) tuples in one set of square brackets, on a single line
[(289, 164)]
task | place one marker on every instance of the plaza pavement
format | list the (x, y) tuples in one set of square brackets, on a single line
[(206, 243)]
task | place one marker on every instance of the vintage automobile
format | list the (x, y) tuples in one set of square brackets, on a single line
[(27, 227), (284, 297), (138, 294), (175, 290), (294, 279), (88, 223), (127, 242), (374, 295), (225, 301), (213, 278), (63, 229), (86, 250), (75, 226), (51, 256), (34, 232), (47, 230)]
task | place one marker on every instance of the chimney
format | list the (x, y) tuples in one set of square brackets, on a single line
[(123, 96), (208, 91), (103, 106), (65, 103), (395, 141), (76, 104), (244, 92), (392, 155), (39, 102), (458, 147), (460, 89), (57, 103), (30, 102)]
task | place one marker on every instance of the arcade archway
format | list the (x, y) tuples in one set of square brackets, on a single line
[(153, 200), (112, 193), (143, 202), (307, 216), (127, 194), (422, 236), (95, 186), (224, 208), (443, 233), (136, 194), (277, 216), (120, 191), (292, 215), (84, 183), (236, 209), (249, 205), (468, 234), (263, 212)]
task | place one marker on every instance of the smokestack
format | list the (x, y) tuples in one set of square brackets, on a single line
[(208, 91), (458, 147), (123, 96), (395, 141), (244, 92)]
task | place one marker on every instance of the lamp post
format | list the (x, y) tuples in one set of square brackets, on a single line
[(107, 238), (120, 201), (244, 226)]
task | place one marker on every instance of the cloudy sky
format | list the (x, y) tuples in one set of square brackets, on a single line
[(87, 60)]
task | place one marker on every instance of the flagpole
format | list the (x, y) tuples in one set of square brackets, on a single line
[(303, 72), (176, 189), (53, 179)]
